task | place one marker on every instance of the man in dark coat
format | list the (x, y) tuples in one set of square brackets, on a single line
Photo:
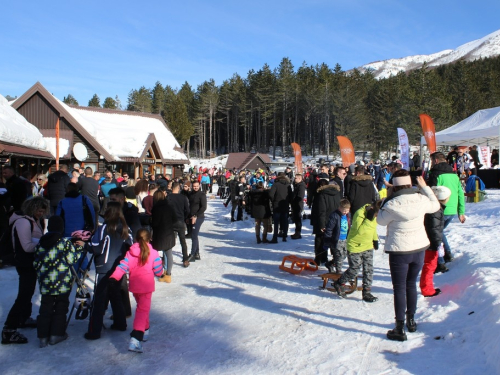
[(326, 201), (299, 193), (312, 185), (280, 194), (17, 189), (237, 198), (340, 174), (197, 206), (180, 204), (90, 188), (260, 205), (361, 190), (57, 183)]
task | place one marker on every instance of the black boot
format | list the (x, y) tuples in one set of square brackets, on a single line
[(410, 323), (398, 333), (11, 336), (441, 268), (448, 257), (339, 288), (368, 297), (274, 240), (296, 236)]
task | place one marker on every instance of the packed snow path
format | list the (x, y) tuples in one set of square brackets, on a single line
[(235, 312)]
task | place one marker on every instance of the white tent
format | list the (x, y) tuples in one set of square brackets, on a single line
[(482, 129)]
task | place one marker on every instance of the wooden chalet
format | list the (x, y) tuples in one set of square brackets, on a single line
[(247, 160), (124, 141)]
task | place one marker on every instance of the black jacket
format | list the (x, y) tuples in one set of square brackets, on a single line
[(361, 192), (132, 218), (299, 193), (180, 205), (434, 226), (90, 188), (438, 170), (18, 190), (56, 185), (340, 182), (326, 201), (281, 194), (260, 204), (163, 218), (197, 203), (109, 249)]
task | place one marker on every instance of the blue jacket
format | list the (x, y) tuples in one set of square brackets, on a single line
[(332, 229), (71, 210)]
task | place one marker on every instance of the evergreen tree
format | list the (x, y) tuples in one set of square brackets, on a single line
[(110, 103), (95, 101), (177, 120), (70, 100), (140, 100), (158, 98)]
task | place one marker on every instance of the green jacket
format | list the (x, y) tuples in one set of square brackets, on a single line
[(442, 175), (362, 233)]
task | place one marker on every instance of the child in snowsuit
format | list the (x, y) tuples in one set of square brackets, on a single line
[(143, 263), (53, 257), (434, 226), (335, 239), (361, 241)]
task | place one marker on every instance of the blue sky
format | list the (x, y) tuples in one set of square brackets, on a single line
[(111, 47)]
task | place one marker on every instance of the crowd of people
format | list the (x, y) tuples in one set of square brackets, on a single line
[(346, 206), (120, 223), (127, 223)]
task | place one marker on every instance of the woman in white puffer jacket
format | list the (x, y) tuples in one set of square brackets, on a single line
[(406, 241)]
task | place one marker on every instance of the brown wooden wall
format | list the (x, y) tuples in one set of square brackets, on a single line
[(40, 113)]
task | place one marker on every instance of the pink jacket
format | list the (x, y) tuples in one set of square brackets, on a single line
[(141, 279)]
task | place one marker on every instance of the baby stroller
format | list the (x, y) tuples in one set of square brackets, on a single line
[(83, 296)]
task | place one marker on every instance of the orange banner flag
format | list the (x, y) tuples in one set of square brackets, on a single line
[(429, 132), (298, 157), (346, 151), (57, 145)]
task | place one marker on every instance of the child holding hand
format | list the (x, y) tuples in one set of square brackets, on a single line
[(143, 263)]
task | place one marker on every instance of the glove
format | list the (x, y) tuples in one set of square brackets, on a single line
[(375, 245)]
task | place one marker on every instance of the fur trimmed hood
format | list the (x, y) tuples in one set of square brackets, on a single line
[(325, 188), (283, 180), (362, 177)]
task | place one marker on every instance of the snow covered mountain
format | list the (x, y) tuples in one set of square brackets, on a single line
[(489, 46)]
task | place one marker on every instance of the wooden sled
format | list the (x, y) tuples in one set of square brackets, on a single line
[(297, 265), (350, 287)]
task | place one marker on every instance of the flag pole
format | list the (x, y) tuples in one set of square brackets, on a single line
[(57, 145)]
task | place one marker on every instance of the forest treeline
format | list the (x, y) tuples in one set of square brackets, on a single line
[(312, 104)]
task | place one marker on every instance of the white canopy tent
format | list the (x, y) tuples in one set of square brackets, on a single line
[(482, 129)]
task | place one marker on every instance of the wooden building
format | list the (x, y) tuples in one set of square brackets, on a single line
[(247, 160), (124, 141)]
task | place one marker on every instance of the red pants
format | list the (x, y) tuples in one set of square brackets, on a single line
[(427, 277), (141, 319)]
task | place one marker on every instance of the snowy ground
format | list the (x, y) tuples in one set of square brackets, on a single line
[(235, 312)]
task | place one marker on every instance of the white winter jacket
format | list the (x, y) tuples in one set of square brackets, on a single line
[(403, 214)]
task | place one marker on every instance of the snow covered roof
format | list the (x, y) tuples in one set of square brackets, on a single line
[(14, 129), (125, 134), (116, 135)]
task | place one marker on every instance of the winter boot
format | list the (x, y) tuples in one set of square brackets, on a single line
[(53, 340), (448, 257), (274, 240), (368, 297), (410, 323), (398, 333), (437, 292), (330, 266), (339, 288), (441, 268), (146, 335), (264, 239), (11, 336), (29, 323), (44, 341), (258, 238), (135, 345), (165, 278), (296, 236)]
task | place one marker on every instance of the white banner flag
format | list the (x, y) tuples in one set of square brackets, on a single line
[(404, 146), (485, 156)]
